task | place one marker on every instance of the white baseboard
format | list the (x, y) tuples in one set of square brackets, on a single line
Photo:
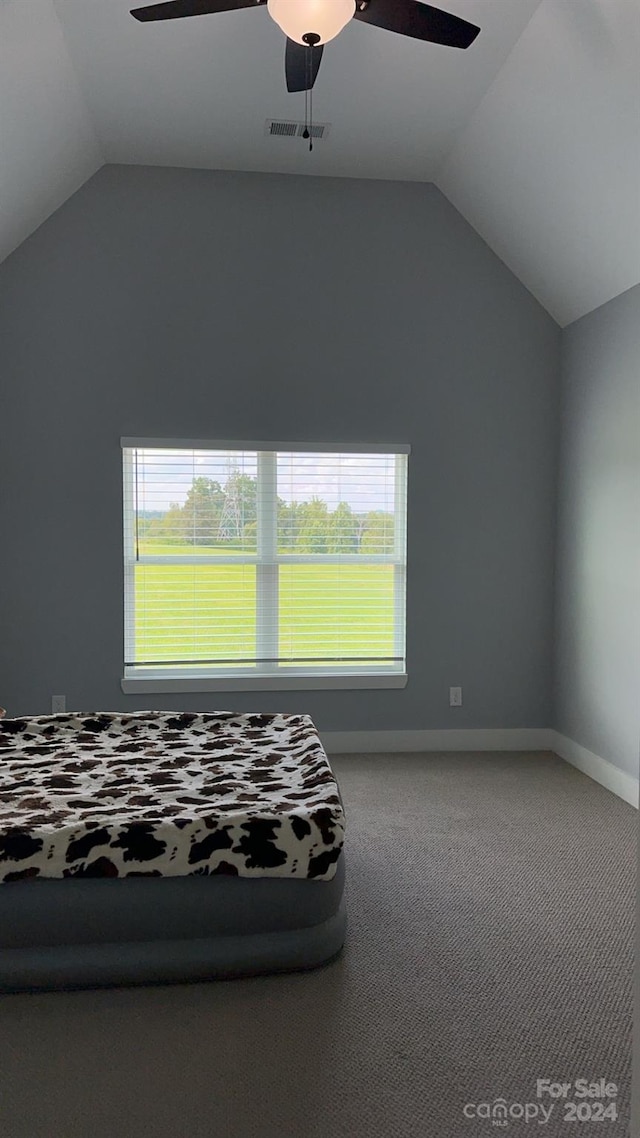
[(597, 768), (499, 739)]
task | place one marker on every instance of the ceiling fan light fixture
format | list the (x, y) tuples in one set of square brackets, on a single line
[(322, 18)]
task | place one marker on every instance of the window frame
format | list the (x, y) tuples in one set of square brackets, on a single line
[(270, 676)]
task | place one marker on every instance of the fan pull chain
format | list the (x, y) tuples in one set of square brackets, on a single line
[(310, 98), (311, 41), (306, 107)]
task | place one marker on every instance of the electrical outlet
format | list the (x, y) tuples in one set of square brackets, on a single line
[(455, 697), (58, 703)]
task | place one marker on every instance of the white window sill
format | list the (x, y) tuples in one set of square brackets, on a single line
[(166, 684)]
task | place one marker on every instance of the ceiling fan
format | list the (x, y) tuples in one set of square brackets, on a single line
[(309, 24)]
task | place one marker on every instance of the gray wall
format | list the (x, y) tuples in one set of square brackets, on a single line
[(196, 304), (598, 553)]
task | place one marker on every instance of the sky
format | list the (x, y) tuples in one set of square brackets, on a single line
[(365, 482)]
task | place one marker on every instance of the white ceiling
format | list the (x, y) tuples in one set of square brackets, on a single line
[(48, 147), (548, 168), (533, 132), (196, 92)]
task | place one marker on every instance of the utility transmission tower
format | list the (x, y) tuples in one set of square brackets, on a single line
[(230, 527)]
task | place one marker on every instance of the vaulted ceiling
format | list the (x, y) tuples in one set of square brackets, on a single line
[(533, 133)]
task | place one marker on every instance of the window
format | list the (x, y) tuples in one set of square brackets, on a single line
[(251, 565)]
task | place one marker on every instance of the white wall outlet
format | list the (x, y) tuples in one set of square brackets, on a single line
[(58, 703), (455, 697)]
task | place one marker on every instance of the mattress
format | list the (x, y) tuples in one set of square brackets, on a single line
[(157, 847), (101, 932), (156, 794)]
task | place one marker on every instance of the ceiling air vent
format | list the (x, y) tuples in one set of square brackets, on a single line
[(283, 128)]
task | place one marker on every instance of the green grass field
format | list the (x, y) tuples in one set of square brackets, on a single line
[(203, 612)]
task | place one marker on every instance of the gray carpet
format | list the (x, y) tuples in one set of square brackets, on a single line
[(490, 944)]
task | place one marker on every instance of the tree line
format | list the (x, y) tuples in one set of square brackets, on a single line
[(214, 515)]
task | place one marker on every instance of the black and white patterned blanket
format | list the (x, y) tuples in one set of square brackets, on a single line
[(160, 794)]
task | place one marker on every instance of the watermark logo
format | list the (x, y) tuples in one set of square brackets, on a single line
[(501, 1113), (579, 1100)]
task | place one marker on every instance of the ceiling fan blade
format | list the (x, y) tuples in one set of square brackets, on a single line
[(175, 9), (421, 21), (296, 65)]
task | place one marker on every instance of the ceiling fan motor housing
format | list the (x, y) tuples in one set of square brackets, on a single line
[(311, 22)]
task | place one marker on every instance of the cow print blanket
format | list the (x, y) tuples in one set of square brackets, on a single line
[(156, 794)]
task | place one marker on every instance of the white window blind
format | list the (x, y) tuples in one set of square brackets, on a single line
[(256, 560)]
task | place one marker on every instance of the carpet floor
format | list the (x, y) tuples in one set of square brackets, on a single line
[(490, 944)]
